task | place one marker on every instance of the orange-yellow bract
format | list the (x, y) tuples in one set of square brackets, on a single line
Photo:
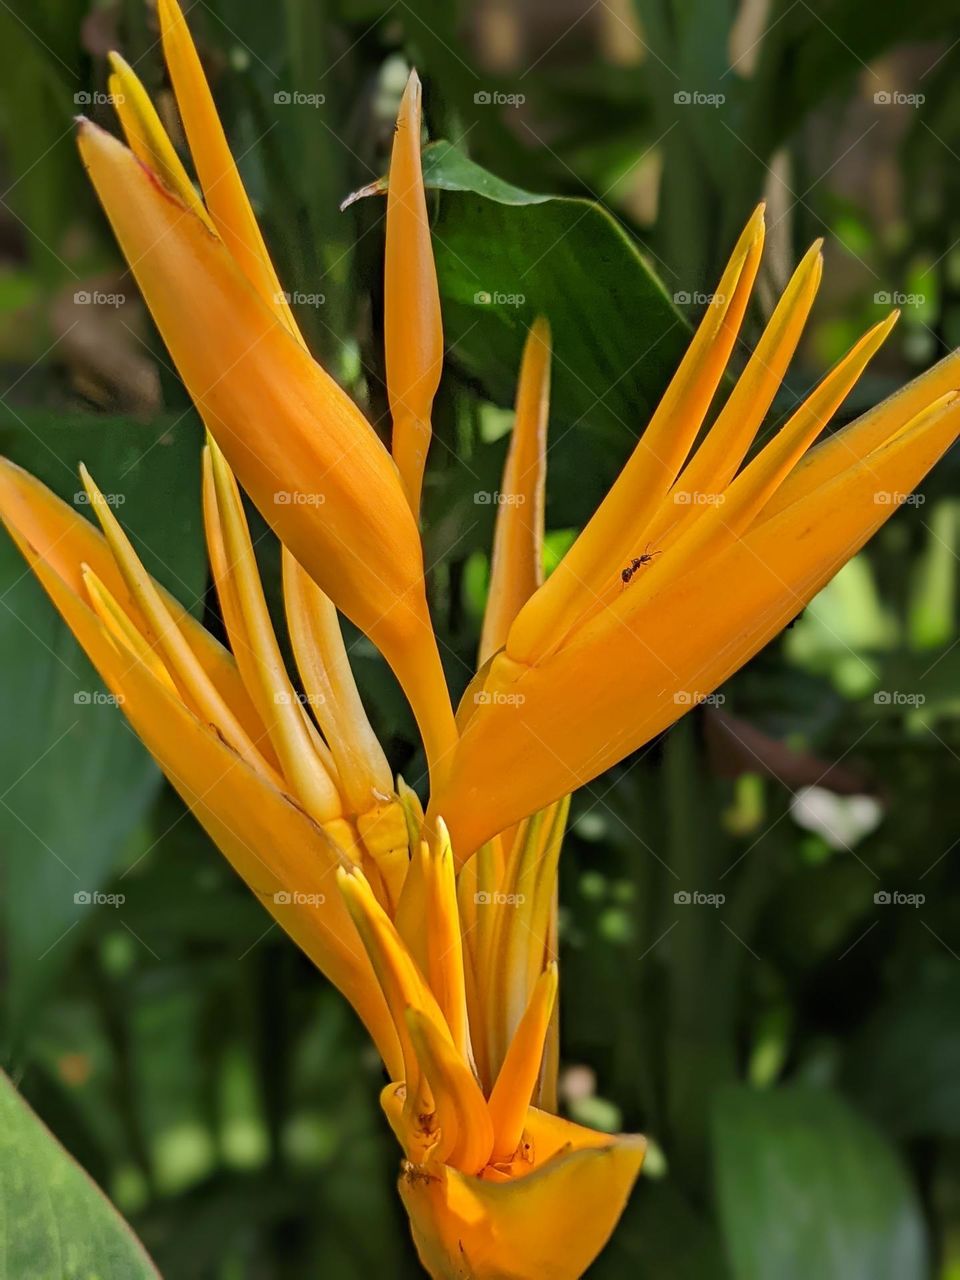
[(441, 930)]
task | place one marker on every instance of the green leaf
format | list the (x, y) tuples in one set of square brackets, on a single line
[(55, 1223), (806, 1187), (447, 169), (74, 782), (505, 256)]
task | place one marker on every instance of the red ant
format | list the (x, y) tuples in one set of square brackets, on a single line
[(637, 563)]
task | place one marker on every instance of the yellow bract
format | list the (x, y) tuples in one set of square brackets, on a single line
[(413, 334), (320, 475), (685, 572)]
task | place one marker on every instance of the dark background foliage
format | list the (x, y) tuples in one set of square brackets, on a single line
[(789, 1035)]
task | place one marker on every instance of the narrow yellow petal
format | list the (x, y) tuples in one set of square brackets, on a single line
[(413, 332), (756, 484), (489, 868), (413, 812), (617, 526), (110, 613), (525, 928), (66, 541), (869, 432), (178, 656), (222, 188), (516, 569), (546, 1093), (521, 1068), (411, 912), (147, 137), (717, 459), (305, 759), (445, 949), (466, 1132), (721, 522), (403, 987), (328, 679)]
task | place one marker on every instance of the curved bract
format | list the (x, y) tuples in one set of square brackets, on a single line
[(441, 930)]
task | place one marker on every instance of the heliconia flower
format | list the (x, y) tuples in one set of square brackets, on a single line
[(454, 976), (441, 929), (693, 561), (299, 445)]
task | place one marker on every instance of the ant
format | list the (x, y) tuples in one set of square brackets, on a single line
[(637, 563)]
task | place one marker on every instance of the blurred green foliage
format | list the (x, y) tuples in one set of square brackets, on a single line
[(769, 990)]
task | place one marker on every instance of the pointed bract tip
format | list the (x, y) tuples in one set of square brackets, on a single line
[(541, 329), (441, 836), (410, 102)]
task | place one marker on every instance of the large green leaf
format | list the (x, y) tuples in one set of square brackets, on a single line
[(806, 1187), (55, 1223), (74, 782), (505, 256)]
